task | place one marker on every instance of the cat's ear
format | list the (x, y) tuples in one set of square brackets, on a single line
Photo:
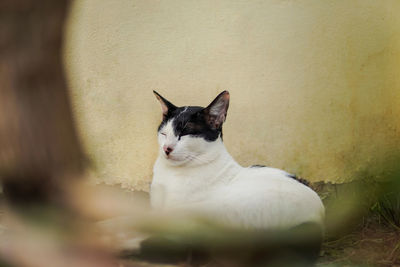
[(166, 106), (215, 113)]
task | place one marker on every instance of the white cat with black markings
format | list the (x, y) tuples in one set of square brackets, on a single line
[(195, 173)]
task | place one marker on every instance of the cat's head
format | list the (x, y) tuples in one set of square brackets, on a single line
[(187, 134)]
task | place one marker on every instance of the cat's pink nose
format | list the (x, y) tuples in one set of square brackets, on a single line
[(167, 150)]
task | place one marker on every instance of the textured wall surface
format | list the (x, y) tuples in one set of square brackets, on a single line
[(315, 85)]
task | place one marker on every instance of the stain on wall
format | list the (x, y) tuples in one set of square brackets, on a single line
[(315, 85)]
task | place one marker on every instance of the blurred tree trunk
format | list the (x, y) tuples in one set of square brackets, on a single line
[(39, 147), (40, 155)]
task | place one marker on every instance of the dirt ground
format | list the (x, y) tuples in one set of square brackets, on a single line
[(373, 243)]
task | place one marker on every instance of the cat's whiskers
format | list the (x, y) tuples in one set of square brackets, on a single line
[(192, 157)]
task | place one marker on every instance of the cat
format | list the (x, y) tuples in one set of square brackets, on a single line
[(195, 173)]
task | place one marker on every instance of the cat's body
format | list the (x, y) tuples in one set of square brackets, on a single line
[(195, 173)]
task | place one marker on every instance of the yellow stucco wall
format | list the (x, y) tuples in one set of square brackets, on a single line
[(315, 85)]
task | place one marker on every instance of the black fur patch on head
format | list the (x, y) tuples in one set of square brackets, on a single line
[(190, 120), (196, 121), (301, 180)]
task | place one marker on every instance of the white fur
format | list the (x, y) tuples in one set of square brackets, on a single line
[(201, 177)]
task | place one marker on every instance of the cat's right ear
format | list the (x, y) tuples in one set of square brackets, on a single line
[(215, 113), (166, 106)]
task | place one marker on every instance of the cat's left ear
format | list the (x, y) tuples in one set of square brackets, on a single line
[(215, 113), (166, 106)]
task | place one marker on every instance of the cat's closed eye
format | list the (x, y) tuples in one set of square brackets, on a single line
[(164, 134)]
